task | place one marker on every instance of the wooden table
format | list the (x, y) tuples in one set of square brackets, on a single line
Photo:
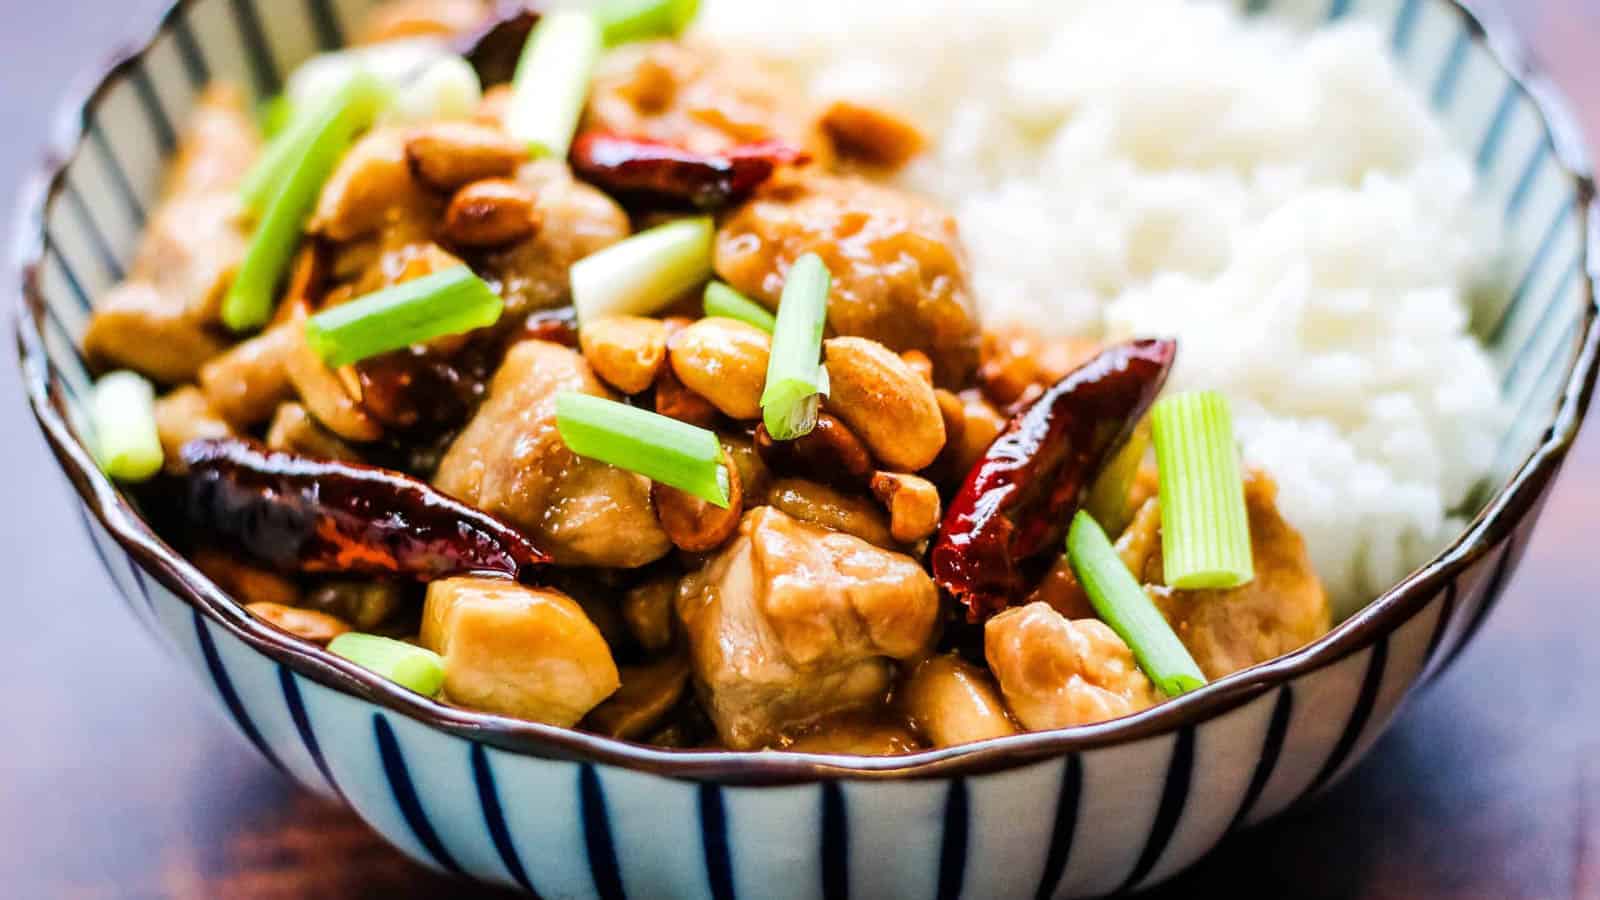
[(115, 781)]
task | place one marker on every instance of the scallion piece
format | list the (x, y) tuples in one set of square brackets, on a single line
[(123, 411), (552, 82), (453, 301), (316, 143), (796, 380), (728, 303), (274, 115), (412, 667), (1124, 605), (1205, 530), (1107, 500), (644, 273), (622, 21), (666, 450)]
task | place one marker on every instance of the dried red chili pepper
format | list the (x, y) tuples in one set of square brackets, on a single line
[(1008, 520), (305, 515), (707, 180)]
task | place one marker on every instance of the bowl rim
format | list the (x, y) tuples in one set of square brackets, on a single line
[(1493, 524)]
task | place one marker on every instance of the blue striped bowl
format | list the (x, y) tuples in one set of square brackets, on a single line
[(1080, 813)]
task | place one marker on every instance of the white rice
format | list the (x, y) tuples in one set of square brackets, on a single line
[(1280, 201)]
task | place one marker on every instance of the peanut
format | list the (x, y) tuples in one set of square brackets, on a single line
[(724, 361), (493, 212), (695, 525), (448, 155), (913, 505), (885, 402), (627, 352), (305, 624)]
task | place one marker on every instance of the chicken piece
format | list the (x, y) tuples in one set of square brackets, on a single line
[(575, 220), (183, 416), (293, 430), (954, 702), (899, 269), (323, 393), (511, 462), (219, 145), (407, 19), (246, 384), (648, 695), (700, 97), (791, 622), (1282, 610), (647, 610), (192, 246), (517, 651), (372, 185), (1057, 673), (818, 504), (136, 327)]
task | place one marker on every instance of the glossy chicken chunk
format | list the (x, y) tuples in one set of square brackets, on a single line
[(699, 97), (899, 269), (1282, 610), (575, 220), (954, 702), (511, 462), (517, 651), (1057, 673), (790, 623)]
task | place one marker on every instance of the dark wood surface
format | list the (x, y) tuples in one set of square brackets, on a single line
[(115, 780)]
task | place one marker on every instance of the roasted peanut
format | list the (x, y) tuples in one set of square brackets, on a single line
[(1013, 360), (675, 401), (182, 416), (491, 213), (920, 363), (885, 402), (981, 424), (647, 610), (406, 19), (625, 351), (448, 155), (693, 524), (953, 702), (305, 624), (821, 505), (294, 431), (370, 181), (913, 505), (324, 394), (873, 135), (245, 583), (754, 476), (248, 382), (724, 361), (830, 453)]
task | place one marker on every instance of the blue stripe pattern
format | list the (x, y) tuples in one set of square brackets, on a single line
[(230, 697), (494, 818), (953, 850), (73, 282), (714, 836), (1444, 87), (597, 841), (1491, 594), (1405, 26), (325, 19), (302, 724), (1521, 359), (119, 175), (1062, 830), (1530, 174), (1174, 797), (835, 843), (1535, 268), (1489, 147), (190, 51), (405, 795), (1267, 760), (160, 124), (1338, 9), (257, 50), (97, 236), (1446, 611), (1365, 701)]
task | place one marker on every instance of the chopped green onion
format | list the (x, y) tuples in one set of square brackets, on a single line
[(1205, 529), (622, 21), (274, 115), (728, 303), (412, 667), (666, 450), (447, 89), (318, 141), (644, 273), (127, 444), (271, 167), (453, 301), (552, 82), (1124, 605), (796, 379), (1107, 500)]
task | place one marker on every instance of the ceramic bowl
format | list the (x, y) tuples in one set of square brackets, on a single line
[(1077, 813)]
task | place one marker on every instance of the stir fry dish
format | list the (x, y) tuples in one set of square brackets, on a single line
[(567, 368)]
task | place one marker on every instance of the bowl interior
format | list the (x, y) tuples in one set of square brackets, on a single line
[(79, 227)]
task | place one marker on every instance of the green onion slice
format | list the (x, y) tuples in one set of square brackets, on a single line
[(662, 449), (1205, 529), (644, 273), (274, 115), (123, 410), (796, 379), (449, 302), (552, 82), (728, 303), (412, 667), (1124, 605), (1107, 500), (313, 146), (622, 21)]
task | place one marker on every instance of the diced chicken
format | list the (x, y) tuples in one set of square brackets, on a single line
[(1282, 610), (648, 695), (294, 431), (517, 651), (372, 185), (136, 327), (954, 702), (183, 416), (219, 146), (1057, 673), (791, 623), (511, 462), (899, 269), (323, 393), (247, 383), (647, 610), (818, 504), (575, 220), (699, 97)]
